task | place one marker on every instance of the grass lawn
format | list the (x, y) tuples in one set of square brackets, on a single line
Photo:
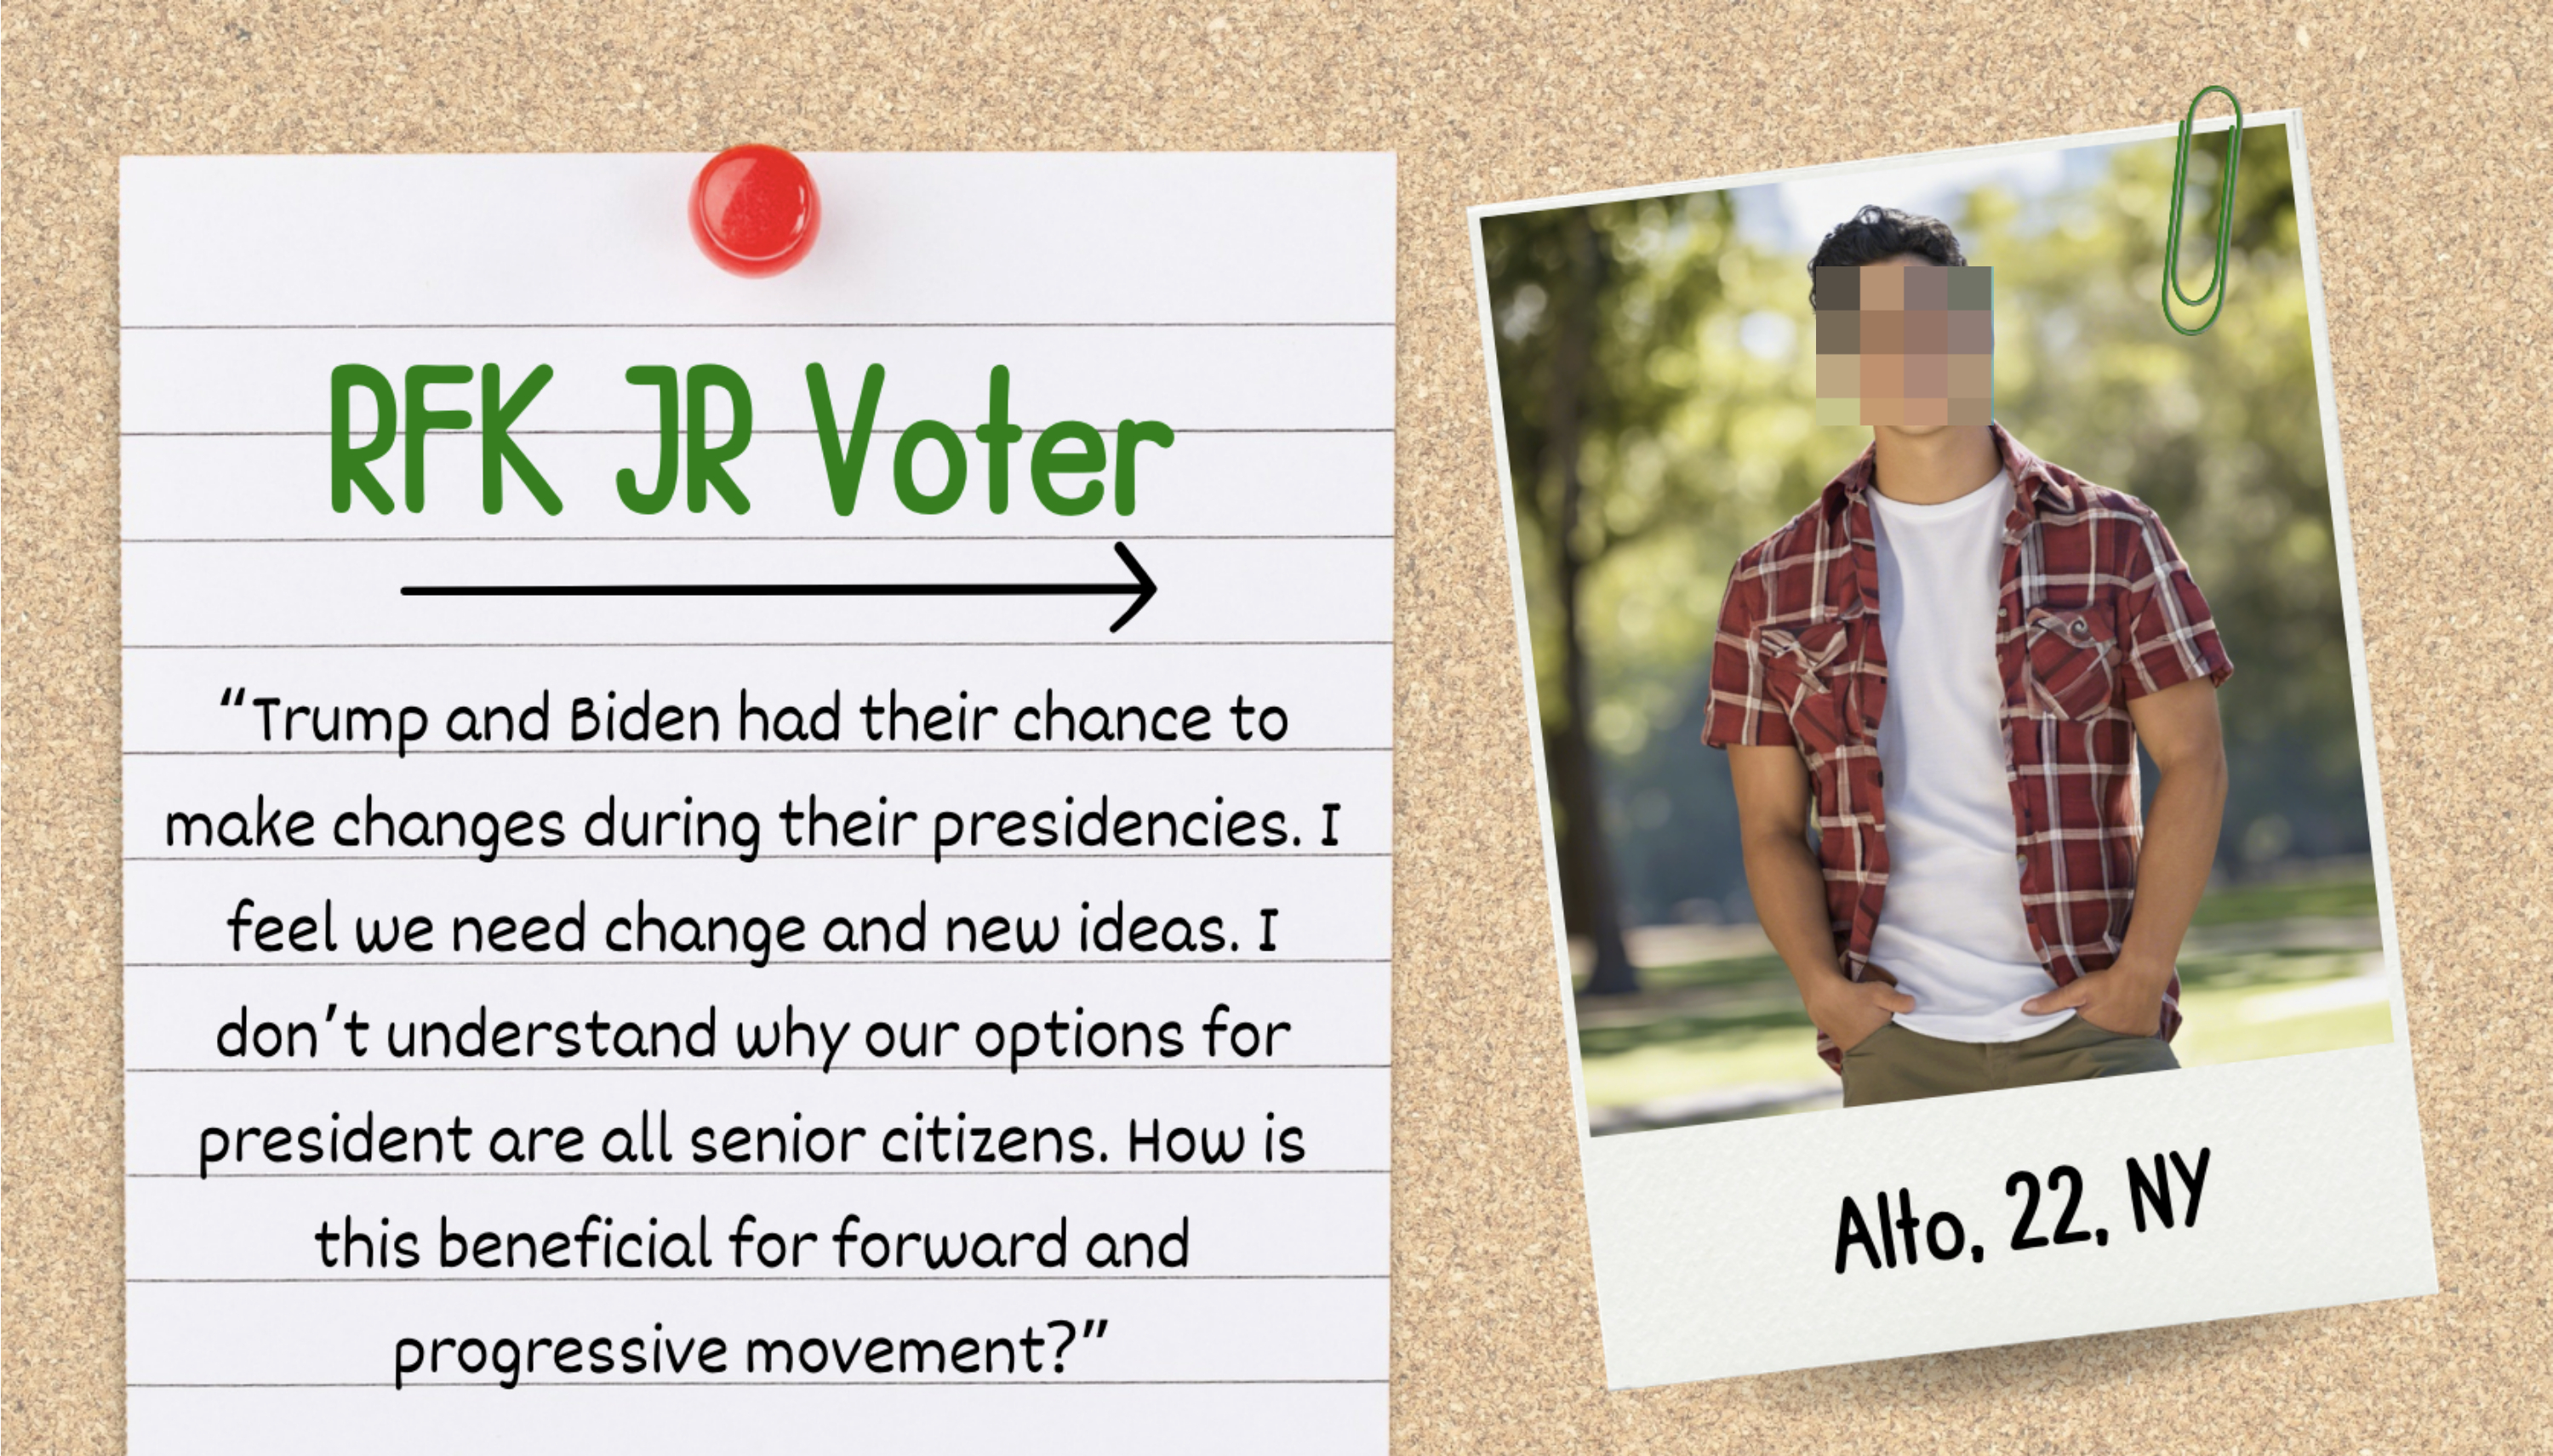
[(2239, 1008), (2241, 902)]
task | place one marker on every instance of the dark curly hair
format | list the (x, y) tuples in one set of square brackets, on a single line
[(1875, 233)]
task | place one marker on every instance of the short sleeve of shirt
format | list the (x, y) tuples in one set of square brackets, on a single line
[(2167, 632), (1740, 712)]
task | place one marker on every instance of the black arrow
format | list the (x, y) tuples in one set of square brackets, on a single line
[(1141, 588)]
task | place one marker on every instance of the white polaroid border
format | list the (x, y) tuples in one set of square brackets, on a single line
[(1716, 1247)]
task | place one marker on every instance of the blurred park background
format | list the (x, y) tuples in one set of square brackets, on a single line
[(1656, 372)]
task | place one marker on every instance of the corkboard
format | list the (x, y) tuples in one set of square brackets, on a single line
[(2432, 167)]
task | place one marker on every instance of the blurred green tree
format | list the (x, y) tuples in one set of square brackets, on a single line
[(1619, 444)]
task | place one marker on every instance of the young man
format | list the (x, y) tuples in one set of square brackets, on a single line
[(1945, 665)]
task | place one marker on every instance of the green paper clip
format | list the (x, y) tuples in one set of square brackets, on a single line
[(2216, 284)]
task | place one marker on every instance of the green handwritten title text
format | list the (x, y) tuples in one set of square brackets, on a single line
[(1070, 466)]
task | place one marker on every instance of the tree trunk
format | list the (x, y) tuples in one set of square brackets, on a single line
[(1588, 903)]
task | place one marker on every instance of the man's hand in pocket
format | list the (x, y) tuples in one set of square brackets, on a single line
[(1848, 1011), (2126, 999)]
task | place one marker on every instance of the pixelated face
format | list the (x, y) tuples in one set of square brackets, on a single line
[(1908, 344)]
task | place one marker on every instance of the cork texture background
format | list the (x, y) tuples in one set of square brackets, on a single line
[(2432, 168)]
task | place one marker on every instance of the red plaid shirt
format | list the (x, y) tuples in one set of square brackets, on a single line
[(2097, 611)]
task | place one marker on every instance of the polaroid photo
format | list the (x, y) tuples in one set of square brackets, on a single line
[(1951, 725)]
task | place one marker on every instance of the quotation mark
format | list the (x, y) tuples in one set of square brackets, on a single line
[(234, 696)]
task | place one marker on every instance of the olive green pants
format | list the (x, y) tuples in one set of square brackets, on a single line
[(1894, 1065)]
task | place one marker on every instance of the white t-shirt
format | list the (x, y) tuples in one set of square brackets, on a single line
[(1951, 928)]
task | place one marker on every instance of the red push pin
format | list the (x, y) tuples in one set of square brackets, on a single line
[(754, 210)]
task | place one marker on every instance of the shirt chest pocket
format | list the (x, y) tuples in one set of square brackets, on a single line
[(2072, 658), (1806, 671)]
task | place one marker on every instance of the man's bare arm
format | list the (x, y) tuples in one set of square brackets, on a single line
[(2180, 730), (1782, 875)]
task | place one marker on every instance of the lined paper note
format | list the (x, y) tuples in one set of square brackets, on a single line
[(898, 954)]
